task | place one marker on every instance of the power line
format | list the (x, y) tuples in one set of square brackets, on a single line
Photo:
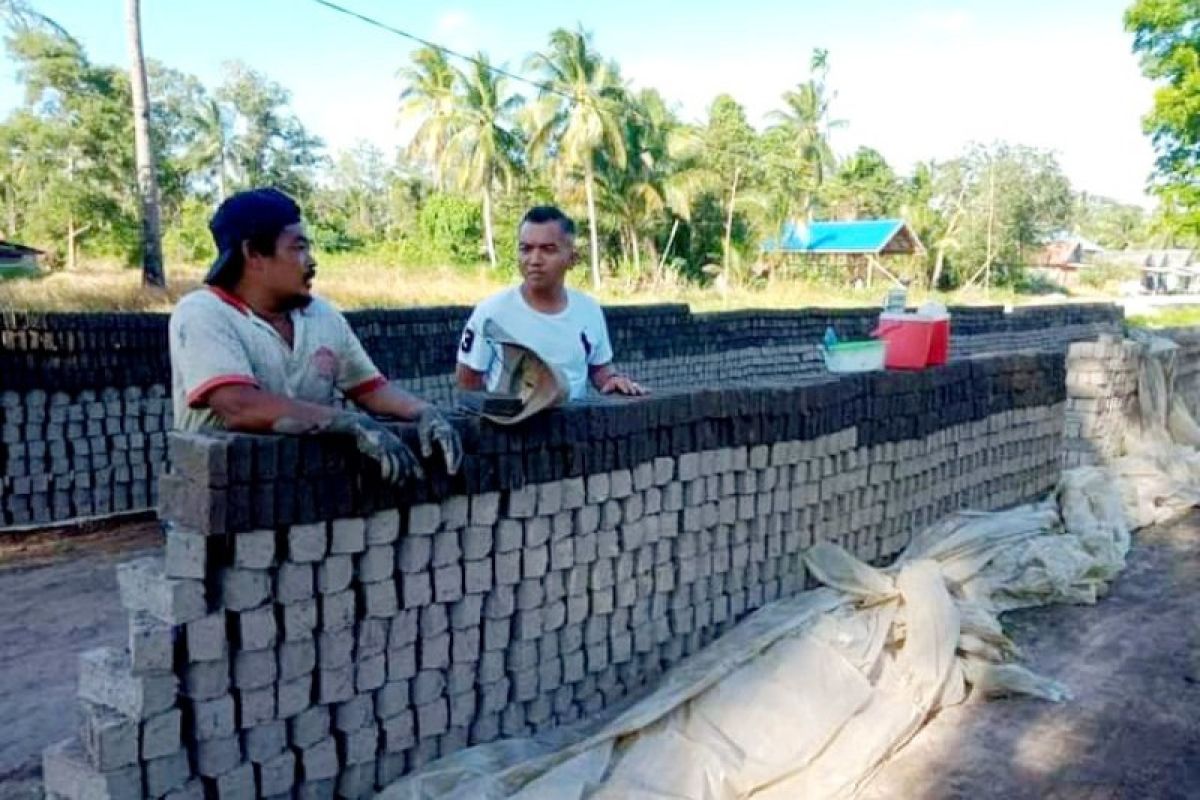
[(440, 48)]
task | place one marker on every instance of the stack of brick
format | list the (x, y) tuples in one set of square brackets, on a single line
[(316, 633), (1187, 366), (1102, 399), (130, 742), (1047, 329), (105, 373), (80, 455)]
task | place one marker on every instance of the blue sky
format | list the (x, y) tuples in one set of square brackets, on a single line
[(915, 80)]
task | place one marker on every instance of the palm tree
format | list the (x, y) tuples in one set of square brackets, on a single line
[(429, 96), (152, 261), (652, 180), (483, 149), (579, 117), (805, 119), (210, 152)]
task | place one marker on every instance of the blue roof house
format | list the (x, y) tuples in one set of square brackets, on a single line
[(855, 242)]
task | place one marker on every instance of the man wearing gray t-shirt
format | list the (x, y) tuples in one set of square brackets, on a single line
[(255, 351), (564, 327)]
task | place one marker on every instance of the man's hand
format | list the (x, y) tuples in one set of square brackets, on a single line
[(433, 427), (397, 463), (622, 384)]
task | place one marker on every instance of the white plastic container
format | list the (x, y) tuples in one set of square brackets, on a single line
[(865, 356)]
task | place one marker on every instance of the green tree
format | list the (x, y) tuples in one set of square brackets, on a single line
[(351, 209), (69, 148), (1111, 224), (579, 118), (805, 122), (1014, 199), (1166, 34), (271, 147), (723, 156), (429, 97), (928, 218), (653, 193), (485, 147), (863, 187)]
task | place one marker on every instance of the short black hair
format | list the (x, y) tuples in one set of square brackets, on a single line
[(539, 215), (256, 216)]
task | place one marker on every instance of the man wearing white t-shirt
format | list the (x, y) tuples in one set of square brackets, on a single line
[(564, 327)]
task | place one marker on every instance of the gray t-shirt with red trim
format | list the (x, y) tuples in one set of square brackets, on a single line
[(216, 340)]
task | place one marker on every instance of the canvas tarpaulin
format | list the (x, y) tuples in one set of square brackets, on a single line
[(810, 694)]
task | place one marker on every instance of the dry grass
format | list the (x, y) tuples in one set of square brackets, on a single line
[(352, 284)]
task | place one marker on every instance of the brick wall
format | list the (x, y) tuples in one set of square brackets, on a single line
[(1102, 382), (309, 630), (84, 398), (1102, 392)]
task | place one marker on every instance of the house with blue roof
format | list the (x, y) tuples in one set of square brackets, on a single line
[(859, 244)]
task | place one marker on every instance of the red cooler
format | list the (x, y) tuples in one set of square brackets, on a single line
[(939, 344), (908, 339), (916, 340)]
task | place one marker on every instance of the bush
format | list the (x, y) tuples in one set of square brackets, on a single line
[(1099, 276), (186, 240), (449, 230)]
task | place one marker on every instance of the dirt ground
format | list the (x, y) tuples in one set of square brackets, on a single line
[(1132, 729), (58, 592)]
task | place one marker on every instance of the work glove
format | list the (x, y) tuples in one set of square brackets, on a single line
[(433, 427), (397, 463)]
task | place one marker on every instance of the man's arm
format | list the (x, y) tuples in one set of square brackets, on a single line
[(252, 410), (470, 380), (390, 400), (608, 381), (432, 427)]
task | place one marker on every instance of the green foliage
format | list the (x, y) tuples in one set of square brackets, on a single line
[(864, 187), (187, 240), (68, 167), (1112, 225), (449, 230), (1003, 202), (655, 191), (805, 124), (1167, 317), (272, 148), (67, 173), (1166, 34), (578, 120), (1108, 276)]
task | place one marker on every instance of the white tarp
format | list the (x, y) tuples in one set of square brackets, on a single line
[(810, 694)]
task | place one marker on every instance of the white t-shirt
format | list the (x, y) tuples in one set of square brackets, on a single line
[(216, 340), (573, 340)]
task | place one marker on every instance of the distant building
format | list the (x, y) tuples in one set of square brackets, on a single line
[(1166, 271), (1062, 260), (857, 245), (18, 257)]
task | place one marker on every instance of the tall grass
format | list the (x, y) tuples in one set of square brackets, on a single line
[(351, 282)]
